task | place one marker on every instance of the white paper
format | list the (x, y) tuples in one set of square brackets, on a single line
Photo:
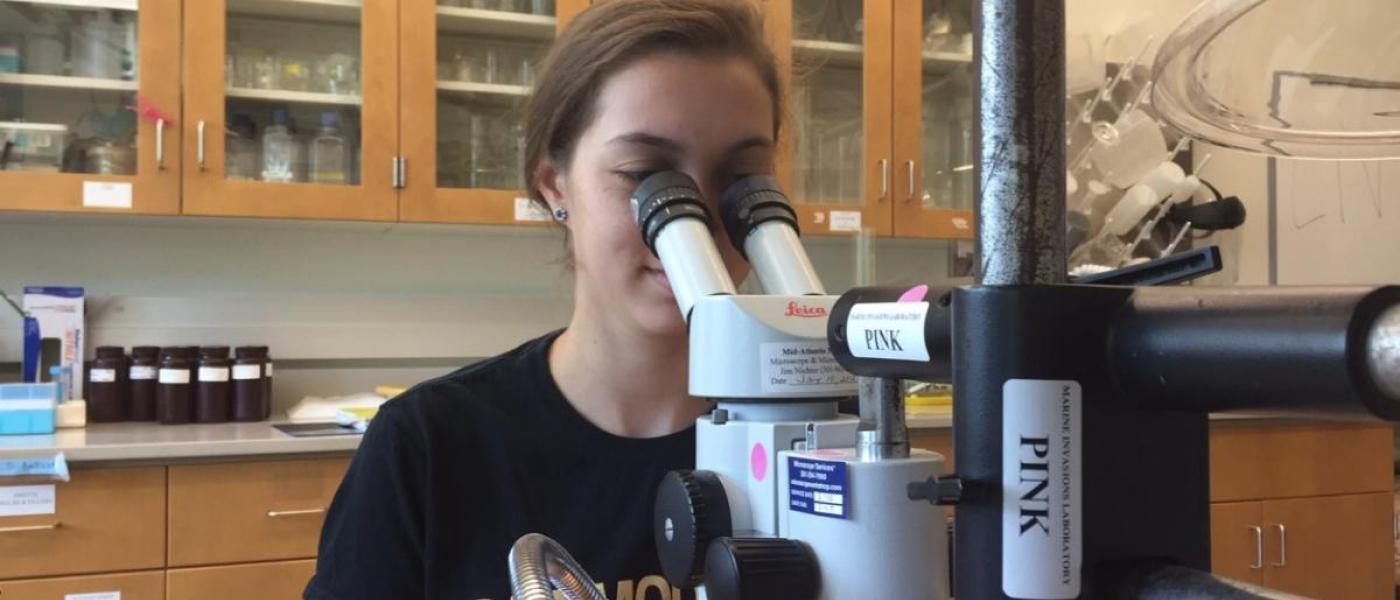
[(888, 330), (94, 596), (525, 210), (175, 376), (102, 376), (961, 224), (802, 367), (242, 372), (25, 500), (143, 372), (106, 194), (845, 220), (1041, 527), (214, 374)]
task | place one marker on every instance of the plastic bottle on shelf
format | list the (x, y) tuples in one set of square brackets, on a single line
[(144, 365), (107, 387), (329, 153), (279, 148)]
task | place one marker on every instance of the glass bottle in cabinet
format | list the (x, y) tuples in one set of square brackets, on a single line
[(829, 104), (329, 159), (279, 150)]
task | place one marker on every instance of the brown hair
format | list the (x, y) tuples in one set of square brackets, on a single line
[(611, 34)]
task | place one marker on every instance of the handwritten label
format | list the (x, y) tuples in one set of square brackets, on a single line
[(526, 210), (845, 220), (802, 367), (25, 500), (106, 194)]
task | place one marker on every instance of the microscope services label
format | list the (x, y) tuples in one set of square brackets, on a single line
[(1042, 533), (818, 487)]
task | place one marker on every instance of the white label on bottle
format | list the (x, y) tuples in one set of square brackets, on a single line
[(1041, 529), (241, 372), (25, 500), (102, 375), (267, 369), (214, 374), (143, 372), (106, 194), (802, 367), (887, 330), (845, 220), (526, 210), (175, 376), (94, 596)]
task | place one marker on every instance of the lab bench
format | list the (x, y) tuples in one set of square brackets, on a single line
[(235, 510)]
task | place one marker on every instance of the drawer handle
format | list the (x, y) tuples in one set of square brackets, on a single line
[(1258, 548), (1282, 546), (273, 514), (49, 527)]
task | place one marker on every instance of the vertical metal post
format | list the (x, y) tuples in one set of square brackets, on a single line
[(1020, 60)]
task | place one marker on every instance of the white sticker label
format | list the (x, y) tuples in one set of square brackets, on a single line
[(102, 375), (526, 210), (106, 194), (267, 368), (143, 372), (887, 330), (802, 367), (26, 500), (961, 224), (214, 374), (845, 220), (1041, 529), (175, 376), (94, 596), (241, 372)]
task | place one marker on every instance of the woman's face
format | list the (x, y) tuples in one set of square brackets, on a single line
[(710, 118)]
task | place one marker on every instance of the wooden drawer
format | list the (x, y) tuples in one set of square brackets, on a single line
[(1251, 461), (264, 581), (104, 520), (149, 585), (249, 511)]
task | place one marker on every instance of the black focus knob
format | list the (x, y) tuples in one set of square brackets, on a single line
[(691, 510), (761, 569)]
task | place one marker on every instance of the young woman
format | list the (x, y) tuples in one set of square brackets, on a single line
[(569, 434)]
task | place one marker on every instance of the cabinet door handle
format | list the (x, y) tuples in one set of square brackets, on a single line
[(160, 143), (1282, 546), (199, 144), (49, 527), (909, 166), (1258, 548), (273, 514), (884, 178)]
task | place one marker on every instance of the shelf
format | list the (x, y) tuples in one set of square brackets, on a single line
[(128, 5), (836, 54), (943, 62), (293, 97), (486, 89), (68, 83), (321, 11), (495, 23)]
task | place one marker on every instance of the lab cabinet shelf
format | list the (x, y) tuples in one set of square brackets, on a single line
[(823, 53), (943, 62), (483, 89), (128, 5), (475, 21), (65, 82), (292, 97), (321, 11)]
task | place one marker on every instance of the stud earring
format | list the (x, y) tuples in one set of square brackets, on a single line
[(561, 214)]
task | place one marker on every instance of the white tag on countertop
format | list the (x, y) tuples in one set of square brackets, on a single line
[(25, 500), (525, 210), (106, 194), (845, 220)]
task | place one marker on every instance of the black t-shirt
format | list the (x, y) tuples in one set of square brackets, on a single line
[(452, 472)]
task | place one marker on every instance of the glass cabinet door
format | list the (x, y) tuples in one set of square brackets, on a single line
[(464, 88), (88, 99), (933, 119), (838, 139), (293, 107)]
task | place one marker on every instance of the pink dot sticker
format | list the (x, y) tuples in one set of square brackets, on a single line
[(915, 294), (758, 462)]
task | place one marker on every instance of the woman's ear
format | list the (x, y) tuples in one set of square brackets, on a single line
[(549, 180)]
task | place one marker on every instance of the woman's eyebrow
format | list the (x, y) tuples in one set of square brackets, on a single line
[(642, 138)]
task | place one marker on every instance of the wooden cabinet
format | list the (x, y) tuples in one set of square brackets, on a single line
[(1237, 541), (147, 585), (249, 511), (103, 520), (75, 145), (274, 581)]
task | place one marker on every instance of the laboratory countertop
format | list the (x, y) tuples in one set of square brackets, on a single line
[(152, 442)]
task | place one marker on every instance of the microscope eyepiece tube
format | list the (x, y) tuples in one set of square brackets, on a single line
[(1383, 352), (675, 224), (763, 226)]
